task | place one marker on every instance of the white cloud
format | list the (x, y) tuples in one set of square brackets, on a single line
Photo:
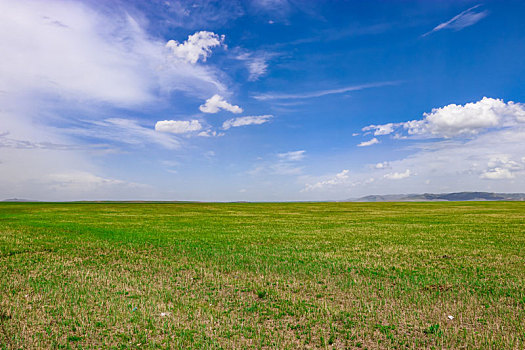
[(384, 129), (72, 61), (398, 176), (210, 133), (338, 179), (382, 165), (217, 102), (121, 131), (178, 126), (505, 161), (502, 167), (459, 120), (462, 20), (248, 120), (441, 162), (292, 156), (497, 174), (322, 92), (77, 65), (257, 68), (69, 50), (441, 166), (471, 118), (257, 63), (198, 46), (76, 58), (368, 143)]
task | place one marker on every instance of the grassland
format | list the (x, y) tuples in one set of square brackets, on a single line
[(306, 275)]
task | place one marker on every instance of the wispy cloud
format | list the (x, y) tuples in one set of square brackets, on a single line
[(9, 142), (462, 20), (292, 155), (320, 93), (123, 131), (368, 143), (331, 181), (286, 163), (244, 121), (117, 63), (256, 63), (257, 66)]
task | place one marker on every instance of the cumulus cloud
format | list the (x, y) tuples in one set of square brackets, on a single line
[(292, 155), (398, 176), (502, 167), (368, 143), (248, 120), (471, 118), (216, 103), (382, 165), (178, 126), (497, 174), (197, 46), (459, 120), (462, 20)]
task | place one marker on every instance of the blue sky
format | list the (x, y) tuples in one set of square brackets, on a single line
[(260, 100)]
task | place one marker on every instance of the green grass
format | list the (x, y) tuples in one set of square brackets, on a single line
[(284, 276)]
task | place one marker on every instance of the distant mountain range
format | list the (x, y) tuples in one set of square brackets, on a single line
[(430, 197)]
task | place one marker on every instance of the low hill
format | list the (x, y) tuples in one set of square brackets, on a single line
[(455, 196)]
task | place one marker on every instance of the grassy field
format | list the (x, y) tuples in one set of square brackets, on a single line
[(285, 276)]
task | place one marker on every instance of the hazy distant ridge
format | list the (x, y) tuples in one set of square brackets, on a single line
[(18, 200), (455, 196)]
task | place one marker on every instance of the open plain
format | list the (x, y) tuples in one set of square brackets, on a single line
[(262, 275)]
